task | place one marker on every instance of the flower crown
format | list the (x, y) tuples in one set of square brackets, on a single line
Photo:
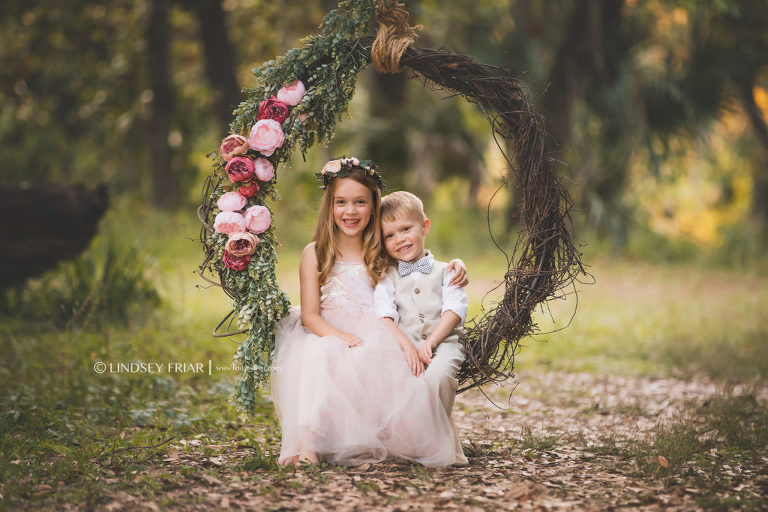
[(342, 167)]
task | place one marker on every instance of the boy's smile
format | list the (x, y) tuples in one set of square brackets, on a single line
[(404, 238)]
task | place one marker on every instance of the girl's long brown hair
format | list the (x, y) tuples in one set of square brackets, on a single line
[(326, 232)]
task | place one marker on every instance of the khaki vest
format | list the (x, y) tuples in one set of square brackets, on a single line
[(420, 303)]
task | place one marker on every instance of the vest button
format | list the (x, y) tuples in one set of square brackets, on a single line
[(424, 336), (416, 290), (421, 315)]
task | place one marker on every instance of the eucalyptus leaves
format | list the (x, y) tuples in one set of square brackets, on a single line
[(299, 97)]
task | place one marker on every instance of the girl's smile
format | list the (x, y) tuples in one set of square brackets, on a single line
[(352, 207)]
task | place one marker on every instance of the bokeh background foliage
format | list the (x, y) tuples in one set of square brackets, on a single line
[(657, 109)]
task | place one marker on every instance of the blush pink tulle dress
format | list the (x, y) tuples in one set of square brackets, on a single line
[(354, 405)]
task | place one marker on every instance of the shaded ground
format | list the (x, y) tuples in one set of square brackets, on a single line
[(563, 441)]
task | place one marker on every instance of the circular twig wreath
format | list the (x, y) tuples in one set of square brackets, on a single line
[(314, 85)]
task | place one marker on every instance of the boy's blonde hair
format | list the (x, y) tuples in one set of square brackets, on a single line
[(401, 204)]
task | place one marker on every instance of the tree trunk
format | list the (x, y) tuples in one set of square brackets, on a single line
[(165, 182), (578, 62), (388, 144), (583, 68), (760, 174), (220, 60)]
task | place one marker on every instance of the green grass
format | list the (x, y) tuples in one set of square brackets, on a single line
[(642, 319), (530, 442)]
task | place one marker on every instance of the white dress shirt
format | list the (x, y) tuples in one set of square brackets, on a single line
[(454, 299)]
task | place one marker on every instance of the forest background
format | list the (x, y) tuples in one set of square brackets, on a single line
[(658, 110)]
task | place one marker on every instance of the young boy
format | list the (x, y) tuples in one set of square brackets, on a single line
[(418, 303)]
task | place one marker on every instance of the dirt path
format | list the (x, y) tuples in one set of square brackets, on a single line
[(557, 444)]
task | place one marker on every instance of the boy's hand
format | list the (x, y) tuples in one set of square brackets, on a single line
[(459, 278), (412, 358), (350, 339), (425, 352)]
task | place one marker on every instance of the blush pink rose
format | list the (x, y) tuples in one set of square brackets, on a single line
[(235, 262), (233, 145), (248, 189), (292, 94), (228, 223), (241, 244), (272, 109), (332, 167), (240, 168), (231, 202), (265, 171), (257, 219), (266, 136)]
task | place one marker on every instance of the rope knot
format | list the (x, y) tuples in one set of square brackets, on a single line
[(393, 37)]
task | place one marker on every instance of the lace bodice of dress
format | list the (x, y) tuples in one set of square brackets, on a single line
[(348, 289)]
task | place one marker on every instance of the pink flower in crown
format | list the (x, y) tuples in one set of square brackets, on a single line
[(231, 202), (233, 145), (248, 189), (228, 223), (265, 171), (266, 136), (240, 168), (241, 244), (354, 161), (236, 262), (332, 167), (292, 94), (257, 219)]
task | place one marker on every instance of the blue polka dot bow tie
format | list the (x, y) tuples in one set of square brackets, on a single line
[(424, 265)]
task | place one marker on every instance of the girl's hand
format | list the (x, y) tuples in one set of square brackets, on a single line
[(460, 277), (425, 352), (350, 339), (412, 358)]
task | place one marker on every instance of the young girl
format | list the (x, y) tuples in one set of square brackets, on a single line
[(342, 389)]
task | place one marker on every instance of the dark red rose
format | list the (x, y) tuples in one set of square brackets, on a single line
[(234, 262), (248, 189), (273, 109), (240, 168)]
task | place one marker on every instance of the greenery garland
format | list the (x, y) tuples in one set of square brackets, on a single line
[(238, 234)]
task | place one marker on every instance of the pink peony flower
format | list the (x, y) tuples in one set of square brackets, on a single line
[(231, 202), (353, 161), (234, 262), (292, 94), (241, 244), (257, 219), (240, 168), (248, 189), (272, 109), (229, 222), (266, 136), (233, 145), (332, 167), (265, 171)]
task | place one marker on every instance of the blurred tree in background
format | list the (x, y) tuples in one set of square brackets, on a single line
[(657, 108)]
